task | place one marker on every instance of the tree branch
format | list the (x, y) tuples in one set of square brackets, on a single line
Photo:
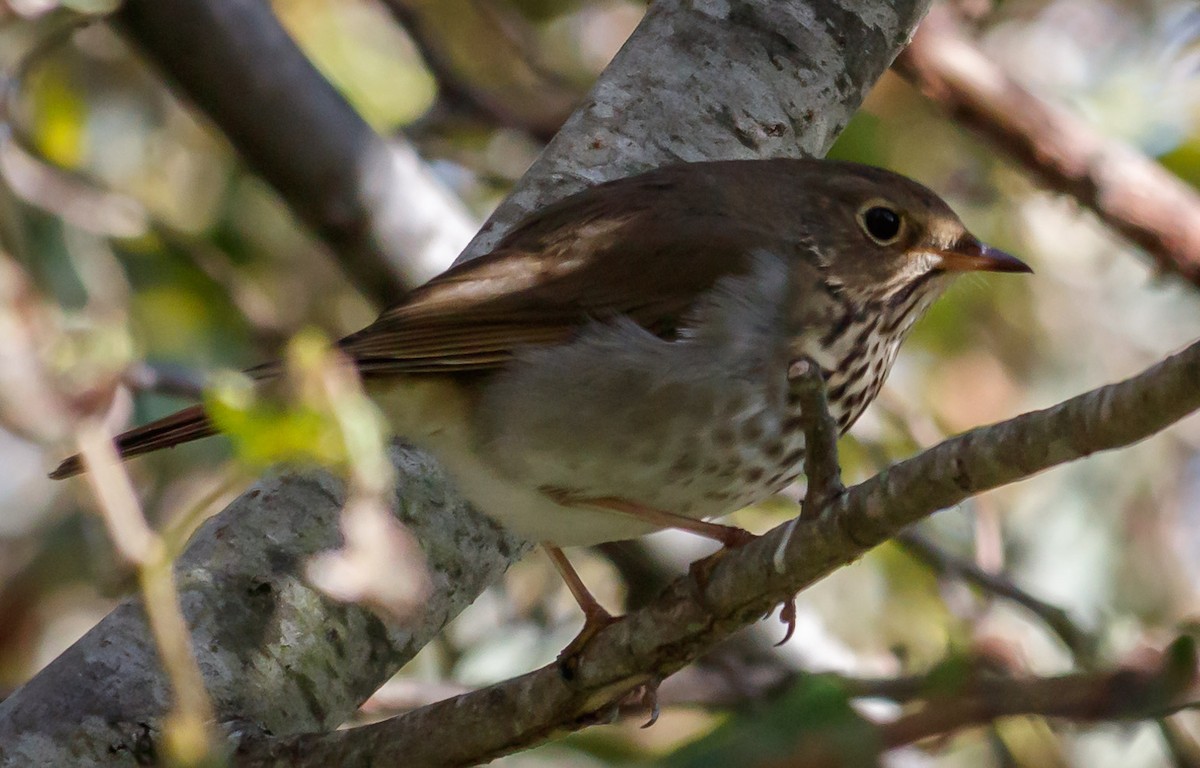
[(744, 78), (1082, 645), (744, 585), (390, 223), (499, 80), (1137, 692), (951, 696), (738, 79), (1128, 191), (1127, 693)]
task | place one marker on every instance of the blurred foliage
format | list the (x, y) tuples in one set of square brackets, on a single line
[(307, 425), (368, 58), (816, 710), (132, 216)]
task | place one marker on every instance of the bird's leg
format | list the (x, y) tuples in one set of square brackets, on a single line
[(728, 535), (820, 463), (595, 617), (821, 432)]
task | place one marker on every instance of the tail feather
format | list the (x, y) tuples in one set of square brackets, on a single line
[(180, 427)]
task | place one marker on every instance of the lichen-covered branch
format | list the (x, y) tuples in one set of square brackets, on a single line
[(745, 584)]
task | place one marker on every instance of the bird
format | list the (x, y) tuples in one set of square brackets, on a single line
[(618, 363)]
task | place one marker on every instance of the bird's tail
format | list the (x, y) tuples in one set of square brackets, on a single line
[(180, 427)]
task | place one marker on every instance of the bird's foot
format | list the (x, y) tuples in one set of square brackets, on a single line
[(731, 538), (701, 571), (645, 696), (595, 619)]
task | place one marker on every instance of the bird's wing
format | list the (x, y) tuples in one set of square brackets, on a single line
[(645, 248)]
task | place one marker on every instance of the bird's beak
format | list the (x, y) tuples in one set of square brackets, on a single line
[(970, 255)]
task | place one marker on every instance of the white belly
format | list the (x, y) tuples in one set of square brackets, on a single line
[(435, 415), (533, 514), (696, 426)]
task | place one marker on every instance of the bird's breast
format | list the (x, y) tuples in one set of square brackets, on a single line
[(855, 357)]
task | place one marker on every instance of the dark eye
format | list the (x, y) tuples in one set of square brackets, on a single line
[(881, 223)]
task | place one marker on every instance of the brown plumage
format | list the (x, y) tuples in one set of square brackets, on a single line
[(633, 339), (180, 427)]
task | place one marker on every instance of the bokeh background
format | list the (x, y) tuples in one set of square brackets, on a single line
[(152, 255)]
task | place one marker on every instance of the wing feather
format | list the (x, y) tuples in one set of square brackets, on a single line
[(645, 248)]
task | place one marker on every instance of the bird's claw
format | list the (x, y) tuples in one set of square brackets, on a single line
[(701, 569), (787, 615), (649, 700)]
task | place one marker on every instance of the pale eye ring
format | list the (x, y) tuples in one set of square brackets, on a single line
[(881, 222)]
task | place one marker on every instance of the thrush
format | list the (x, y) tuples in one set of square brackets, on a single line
[(619, 362)]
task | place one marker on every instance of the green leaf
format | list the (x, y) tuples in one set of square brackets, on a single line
[(264, 432), (814, 715)]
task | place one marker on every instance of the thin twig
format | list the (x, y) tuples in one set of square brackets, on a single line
[(175, 380), (187, 728), (724, 682), (380, 563), (1081, 644), (500, 81), (923, 431), (1129, 191), (1132, 692), (1089, 697)]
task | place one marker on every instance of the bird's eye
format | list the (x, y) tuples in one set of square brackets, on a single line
[(883, 224)]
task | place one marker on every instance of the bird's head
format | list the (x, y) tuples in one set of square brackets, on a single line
[(885, 238)]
